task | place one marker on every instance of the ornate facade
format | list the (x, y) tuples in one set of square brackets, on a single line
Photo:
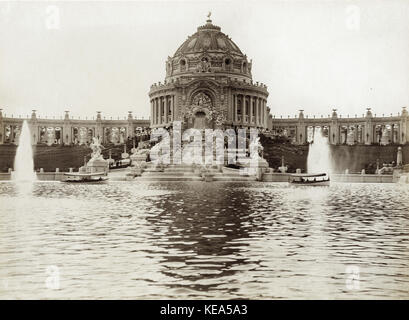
[(67, 130), (209, 84), (368, 129)]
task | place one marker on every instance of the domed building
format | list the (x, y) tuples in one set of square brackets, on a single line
[(209, 84)]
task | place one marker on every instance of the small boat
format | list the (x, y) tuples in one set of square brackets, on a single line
[(120, 164), (312, 179), (76, 177)]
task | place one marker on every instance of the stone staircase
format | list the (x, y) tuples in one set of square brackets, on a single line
[(229, 174), (172, 172), (184, 172)]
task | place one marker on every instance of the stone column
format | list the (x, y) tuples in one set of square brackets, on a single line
[(162, 108), (332, 131), (130, 128), (368, 133), (157, 111), (174, 108), (248, 100), (264, 113), (355, 134), (98, 127), (235, 108), (230, 108), (374, 134), (403, 131), (34, 130), (165, 108), (12, 134), (154, 111), (153, 120), (398, 134), (392, 133), (158, 115), (399, 161), (171, 108), (151, 113), (243, 108), (260, 111), (256, 110), (251, 110), (303, 130)]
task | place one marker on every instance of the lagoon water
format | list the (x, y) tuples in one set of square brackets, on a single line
[(203, 240)]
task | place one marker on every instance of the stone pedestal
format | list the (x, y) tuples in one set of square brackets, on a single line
[(97, 165), (260, 166), (138, 162)]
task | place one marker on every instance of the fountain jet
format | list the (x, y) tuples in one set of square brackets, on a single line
[(23, 162), (319, 153)]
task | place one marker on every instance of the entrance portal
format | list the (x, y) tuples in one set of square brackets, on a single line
[(200, 120)]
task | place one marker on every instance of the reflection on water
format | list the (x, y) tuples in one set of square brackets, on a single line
[(203, 240)]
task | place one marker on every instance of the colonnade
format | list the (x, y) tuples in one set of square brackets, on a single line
[(364, 130), (249, 110), (71, 131), (163, 110)]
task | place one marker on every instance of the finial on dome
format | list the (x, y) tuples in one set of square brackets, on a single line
[(208, 17)]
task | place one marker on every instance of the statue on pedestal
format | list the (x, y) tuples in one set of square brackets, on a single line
[(96, 148), (97, 163)]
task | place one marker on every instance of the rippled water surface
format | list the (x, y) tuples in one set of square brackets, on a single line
[(203, 240)]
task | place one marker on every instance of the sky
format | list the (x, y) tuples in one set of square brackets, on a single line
[(104, 55)]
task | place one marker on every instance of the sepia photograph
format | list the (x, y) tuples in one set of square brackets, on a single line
[(180, 150)]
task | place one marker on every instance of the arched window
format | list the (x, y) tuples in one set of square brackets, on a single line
[(227, 63), (182, 64), (239, 106), (169, 67), (244, 67)]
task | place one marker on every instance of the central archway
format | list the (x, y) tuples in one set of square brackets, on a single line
[(200, 120), (201, 108)]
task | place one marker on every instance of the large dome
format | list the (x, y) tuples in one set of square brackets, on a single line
[(208, 38), (208, 84), (208, 51)]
